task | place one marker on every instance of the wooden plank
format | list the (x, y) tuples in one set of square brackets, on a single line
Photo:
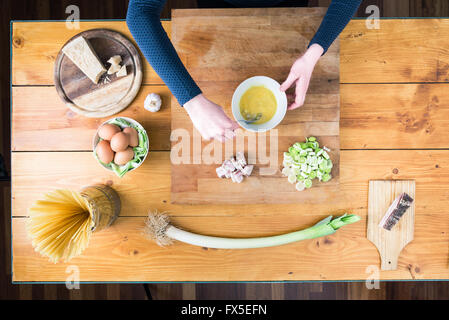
[(224, 13), (146, 188), (139, 190), (42, 122), (410, 115), (123, 250), (35, 47), (390, 243), (35, 44), (263, 41), (397, 8), (394, 116), (149, 186), (401, 50), (2, 132), (435, 8)]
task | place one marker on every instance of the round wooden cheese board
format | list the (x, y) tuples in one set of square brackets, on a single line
[(111, 94)]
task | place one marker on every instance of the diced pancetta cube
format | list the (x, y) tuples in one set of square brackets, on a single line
[(240, 157), (236, 164), (237, 176), (248, 170), (221, 172), (228, 165), (235, 168)]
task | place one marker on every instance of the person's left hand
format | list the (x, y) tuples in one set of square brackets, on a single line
[(300, 74)]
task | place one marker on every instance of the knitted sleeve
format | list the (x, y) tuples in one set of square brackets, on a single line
[(143, 20), (337, 17)]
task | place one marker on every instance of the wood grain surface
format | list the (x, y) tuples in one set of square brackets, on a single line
[(394, 116), (124, 250), (401, 50), (41, 121), (373, 116), (223, 47), (35, 47), (390, 243), (410, 115), (140, 195), (149, 187)]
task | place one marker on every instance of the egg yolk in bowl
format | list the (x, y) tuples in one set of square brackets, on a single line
[(255, 100)]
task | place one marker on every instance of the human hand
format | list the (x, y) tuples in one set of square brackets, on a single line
[(300, 74), (210, 119)]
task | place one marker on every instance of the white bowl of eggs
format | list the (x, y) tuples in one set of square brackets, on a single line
[(120, 145)]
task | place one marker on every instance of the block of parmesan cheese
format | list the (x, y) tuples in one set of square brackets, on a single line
[(84, 57)]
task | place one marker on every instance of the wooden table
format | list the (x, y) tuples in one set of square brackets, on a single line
[(394, 125)]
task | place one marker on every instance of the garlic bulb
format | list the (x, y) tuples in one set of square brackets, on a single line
[(153, 102)]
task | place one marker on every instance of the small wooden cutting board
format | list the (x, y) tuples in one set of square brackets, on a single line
[(112, 94), (390, 243)]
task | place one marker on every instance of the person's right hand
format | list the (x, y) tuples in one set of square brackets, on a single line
[(210, 119)]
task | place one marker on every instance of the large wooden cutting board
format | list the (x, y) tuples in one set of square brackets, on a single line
[(390, 243), (222, 48)]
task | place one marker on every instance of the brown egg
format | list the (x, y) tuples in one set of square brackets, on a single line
[(107, 131), (119, 142), (133, 136), (104, 152), (123, 157)]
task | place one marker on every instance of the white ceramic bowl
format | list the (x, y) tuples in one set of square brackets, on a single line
[(281, 99), (134, 122)]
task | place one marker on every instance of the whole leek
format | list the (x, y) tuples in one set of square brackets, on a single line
[(158, 228)]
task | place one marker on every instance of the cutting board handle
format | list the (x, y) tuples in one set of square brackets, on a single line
[(389, 261)]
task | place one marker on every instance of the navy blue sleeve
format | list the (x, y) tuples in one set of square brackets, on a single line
[(143, 20), (337, 17)]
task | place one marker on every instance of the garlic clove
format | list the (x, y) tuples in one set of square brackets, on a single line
[(153, 102)]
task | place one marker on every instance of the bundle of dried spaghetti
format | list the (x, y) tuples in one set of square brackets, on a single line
[(60, 226)]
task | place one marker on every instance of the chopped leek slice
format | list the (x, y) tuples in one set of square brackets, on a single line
[(306, 161), (300, 186), (292, 178), (307, 183)]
